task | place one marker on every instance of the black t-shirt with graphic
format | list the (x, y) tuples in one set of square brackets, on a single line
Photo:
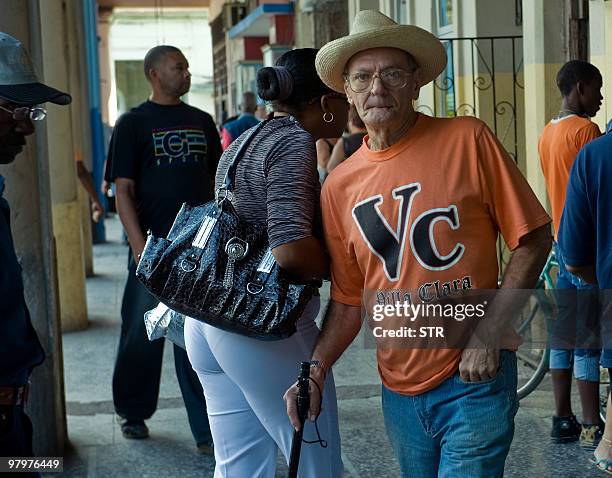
[(171, 152)]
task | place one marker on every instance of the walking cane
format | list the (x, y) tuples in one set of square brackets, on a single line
[(303, 404)]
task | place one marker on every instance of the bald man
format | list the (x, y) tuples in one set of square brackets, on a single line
[(233, 129)]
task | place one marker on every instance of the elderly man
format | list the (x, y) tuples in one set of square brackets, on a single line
[(20, 349), (419, 208)]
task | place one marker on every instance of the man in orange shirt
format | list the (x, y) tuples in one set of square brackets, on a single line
[(579, 83), (416, 212)]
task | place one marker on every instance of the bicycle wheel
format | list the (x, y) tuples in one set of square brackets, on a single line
[(532, 362), (535, 365)]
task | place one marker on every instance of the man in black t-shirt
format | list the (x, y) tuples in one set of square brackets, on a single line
[(162, 153)]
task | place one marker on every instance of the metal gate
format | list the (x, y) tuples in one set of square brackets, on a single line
[(483, 78)]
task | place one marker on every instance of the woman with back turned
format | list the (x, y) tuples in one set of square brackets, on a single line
[(277, 187)]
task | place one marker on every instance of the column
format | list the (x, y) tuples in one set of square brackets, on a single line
[(104, 22), (56, 59), (544, 54), (80, 119), (600, 35)]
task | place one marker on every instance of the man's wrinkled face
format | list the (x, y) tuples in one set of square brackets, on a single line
[(381, 104), (173, 74), (12, 133)]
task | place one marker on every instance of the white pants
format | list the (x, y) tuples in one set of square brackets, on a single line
[(244, 380)]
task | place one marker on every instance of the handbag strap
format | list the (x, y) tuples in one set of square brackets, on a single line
[(225, 191)]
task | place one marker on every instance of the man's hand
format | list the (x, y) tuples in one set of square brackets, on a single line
[(291, 394), (480, 364), (126, 207), (105, 187), (97, 211)]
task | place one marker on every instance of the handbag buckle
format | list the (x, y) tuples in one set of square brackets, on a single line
[(236, 248), (254, 288), (187, 265)]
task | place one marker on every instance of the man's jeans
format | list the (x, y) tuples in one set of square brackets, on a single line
[(139, 361), (577, 324), (456, 430)]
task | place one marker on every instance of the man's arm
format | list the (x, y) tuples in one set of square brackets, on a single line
[(577, 231), (340, 327), (126, 207), (87, 182), (480, 360), (586, 273), (305, 258)]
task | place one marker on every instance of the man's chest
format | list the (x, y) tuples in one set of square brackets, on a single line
[(426, 226), (172, 146), (10, 271)]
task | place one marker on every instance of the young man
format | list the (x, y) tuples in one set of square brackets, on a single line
[(163, 153), (579, 83), (418, 208), (20, 349)]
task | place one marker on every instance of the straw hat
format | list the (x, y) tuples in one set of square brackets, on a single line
[(372, 29)]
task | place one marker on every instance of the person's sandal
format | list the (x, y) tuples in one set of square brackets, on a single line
[(603, 464), (590, 436)]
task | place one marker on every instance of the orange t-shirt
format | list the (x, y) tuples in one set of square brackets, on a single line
[(559, 145), (427, 209)]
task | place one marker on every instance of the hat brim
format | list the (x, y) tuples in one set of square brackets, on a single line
[(424, 47), (33, 94)]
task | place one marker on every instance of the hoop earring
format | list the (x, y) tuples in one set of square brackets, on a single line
[(325, 117)]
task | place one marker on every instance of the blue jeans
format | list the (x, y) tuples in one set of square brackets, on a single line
[(577, 323), (456, 430)]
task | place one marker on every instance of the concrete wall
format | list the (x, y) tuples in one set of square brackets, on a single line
[(326, 20), (600, 39), (544, 46), (60, 65)]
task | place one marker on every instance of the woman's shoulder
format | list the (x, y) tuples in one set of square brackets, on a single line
[(286, 134)]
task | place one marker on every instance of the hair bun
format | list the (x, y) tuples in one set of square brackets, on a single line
[(274, 83)]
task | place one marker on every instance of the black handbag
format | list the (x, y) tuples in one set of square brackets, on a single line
[(218, 269)]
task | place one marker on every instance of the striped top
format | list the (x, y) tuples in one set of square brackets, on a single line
[(276, 183)]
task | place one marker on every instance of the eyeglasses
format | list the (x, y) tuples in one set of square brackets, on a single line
[(25, 112), (392, 78)]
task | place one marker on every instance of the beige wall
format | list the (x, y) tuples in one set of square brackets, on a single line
[(600, 46), (216, 6), (544, 40), (60, 70)]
